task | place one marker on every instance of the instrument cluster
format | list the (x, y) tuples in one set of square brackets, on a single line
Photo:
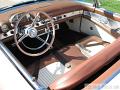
[(7, 29), (14, 18)]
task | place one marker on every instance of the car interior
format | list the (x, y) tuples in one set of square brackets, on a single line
[(52, 40)]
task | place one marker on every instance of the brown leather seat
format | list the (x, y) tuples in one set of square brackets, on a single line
[(69, 55), (76, 76), (91, 45), (85, 42), (72, 55)]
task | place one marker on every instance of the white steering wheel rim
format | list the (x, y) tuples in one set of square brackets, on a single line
[(50, 44)]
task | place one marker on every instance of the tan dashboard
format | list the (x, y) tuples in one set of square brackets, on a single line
[(54, 8)]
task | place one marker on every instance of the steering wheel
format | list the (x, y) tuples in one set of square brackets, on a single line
[(34, 25)]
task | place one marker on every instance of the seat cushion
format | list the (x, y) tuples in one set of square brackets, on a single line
[(72, 55), (91, 45), (85, 42)]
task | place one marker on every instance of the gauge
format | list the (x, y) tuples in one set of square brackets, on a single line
[(4, 27), (14, 18)]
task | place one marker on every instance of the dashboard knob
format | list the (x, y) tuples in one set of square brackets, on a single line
[(4, 27)]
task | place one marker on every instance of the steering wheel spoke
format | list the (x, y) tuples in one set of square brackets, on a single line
[(36, 19), (22, 38), (43, 40)]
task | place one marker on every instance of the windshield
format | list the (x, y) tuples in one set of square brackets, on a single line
[(9, 3)]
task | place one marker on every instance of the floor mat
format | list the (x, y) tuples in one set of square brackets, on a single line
[(50, 73)]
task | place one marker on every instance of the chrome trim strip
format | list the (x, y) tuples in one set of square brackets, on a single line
[(20, 67), (105, 82)]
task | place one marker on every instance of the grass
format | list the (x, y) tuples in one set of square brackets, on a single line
[(111, 5)]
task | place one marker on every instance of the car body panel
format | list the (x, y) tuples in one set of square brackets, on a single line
[(10, 78)]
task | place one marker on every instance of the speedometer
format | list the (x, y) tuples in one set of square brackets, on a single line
[(14, 18)]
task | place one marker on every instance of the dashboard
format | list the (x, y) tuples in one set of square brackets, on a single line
[(7, 24), (60, 11)]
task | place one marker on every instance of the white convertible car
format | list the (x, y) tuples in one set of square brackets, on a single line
[(58, 45)]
